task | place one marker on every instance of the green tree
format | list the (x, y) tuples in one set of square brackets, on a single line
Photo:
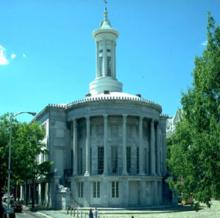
[(194, 148), (26, 145)]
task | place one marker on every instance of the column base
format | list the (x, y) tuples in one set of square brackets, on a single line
[(86, 173), (153, 174), (124, 174), (141, 174)]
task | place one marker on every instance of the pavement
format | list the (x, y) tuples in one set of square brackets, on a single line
[(174, 212), (104, 212)]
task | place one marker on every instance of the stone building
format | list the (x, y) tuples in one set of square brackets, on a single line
[(108, 148)]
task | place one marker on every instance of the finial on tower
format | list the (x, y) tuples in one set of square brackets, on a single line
[(106, 11), (105, 1), (105, 24)]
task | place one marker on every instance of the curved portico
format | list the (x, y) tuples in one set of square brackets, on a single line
[(121, 147)]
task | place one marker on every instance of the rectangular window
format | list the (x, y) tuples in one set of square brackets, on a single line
[(80, 189), (80, 161), (115, 189), (100, 160), (128, 154), (114, 159), (109, 66), (137, 155), (90, 159), (71, 158), (96, 189), (146, 160)]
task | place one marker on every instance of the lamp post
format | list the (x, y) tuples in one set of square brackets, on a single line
[(9, 154)]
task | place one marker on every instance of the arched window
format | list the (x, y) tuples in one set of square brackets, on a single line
[(109, 62)]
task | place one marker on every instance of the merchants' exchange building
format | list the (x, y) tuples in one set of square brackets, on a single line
[(108, 149)]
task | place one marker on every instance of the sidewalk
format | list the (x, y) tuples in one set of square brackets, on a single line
[(183, 212), (54, 214)]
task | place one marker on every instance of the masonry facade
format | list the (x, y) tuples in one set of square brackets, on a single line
[(109, 148)]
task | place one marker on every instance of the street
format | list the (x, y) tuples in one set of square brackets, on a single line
[(28, 214)]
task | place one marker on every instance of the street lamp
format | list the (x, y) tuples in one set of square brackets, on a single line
[(12, 116)]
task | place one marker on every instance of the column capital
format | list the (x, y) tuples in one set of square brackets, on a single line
[(87, 117), (74, 123), (124, 117), (105, 116), (141, 118)]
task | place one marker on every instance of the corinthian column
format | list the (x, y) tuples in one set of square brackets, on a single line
[(87, 146), (105, 145), (158, 150), (141, 149), (152, 148), (74, 147), (124, 144)]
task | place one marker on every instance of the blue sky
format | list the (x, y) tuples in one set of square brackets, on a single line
[(47, 53)]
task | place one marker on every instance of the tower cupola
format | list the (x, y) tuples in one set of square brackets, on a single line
[(105, 37)]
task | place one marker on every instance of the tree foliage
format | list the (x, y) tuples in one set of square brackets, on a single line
[(194, 148), (26, 144)]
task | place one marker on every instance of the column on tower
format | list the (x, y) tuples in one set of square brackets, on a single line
[(98, 61)]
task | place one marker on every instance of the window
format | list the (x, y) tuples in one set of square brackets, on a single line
[(128, 151), (115, 189), (80, 161), (100, 160), (146, 161), (109, 66), (80, 189), (90, 159), (96, 189), (114, 159), (71, 158)]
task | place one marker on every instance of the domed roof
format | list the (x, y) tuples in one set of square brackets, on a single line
[(114, 95)]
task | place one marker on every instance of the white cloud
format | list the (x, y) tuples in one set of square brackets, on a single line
[(3, 58), (13, 56), (204, 43)]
